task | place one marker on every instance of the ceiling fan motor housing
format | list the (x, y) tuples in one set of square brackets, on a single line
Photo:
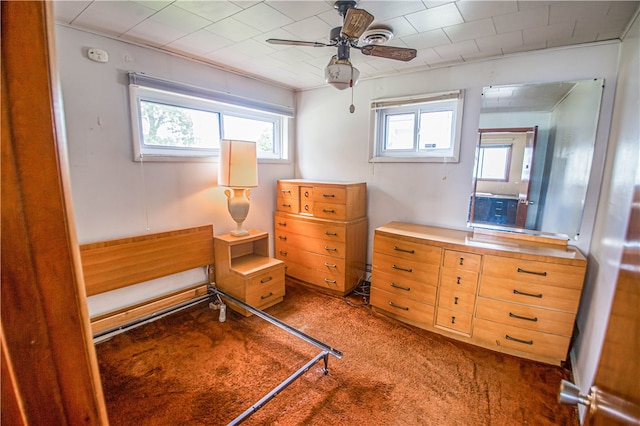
[(343, 5)]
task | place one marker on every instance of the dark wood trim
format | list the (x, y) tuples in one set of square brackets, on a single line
[(47, 345)]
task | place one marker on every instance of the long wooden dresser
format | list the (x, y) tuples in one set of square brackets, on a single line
[(513, 293), (321, 233)]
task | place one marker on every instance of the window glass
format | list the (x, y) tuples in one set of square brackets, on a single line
[(249, 129), (436, 130), (400, 129), (493, 162)]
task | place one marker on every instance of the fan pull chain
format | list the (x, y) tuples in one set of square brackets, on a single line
[(352, 107)]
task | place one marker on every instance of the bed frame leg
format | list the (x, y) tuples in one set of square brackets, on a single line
[(325, 370)]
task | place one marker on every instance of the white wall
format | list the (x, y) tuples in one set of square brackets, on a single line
[(333, 144), (113, 196), (622, 172)]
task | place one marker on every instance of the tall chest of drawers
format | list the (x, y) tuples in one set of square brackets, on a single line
[(321, 233), (517, 296)]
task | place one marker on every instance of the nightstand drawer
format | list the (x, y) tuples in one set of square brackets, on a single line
[(265, 288)]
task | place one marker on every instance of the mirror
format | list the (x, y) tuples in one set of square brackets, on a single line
[(534, 154)]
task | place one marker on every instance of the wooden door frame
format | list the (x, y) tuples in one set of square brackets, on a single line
[(49, 365)]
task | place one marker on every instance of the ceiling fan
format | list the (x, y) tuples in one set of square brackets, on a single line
[(339, 72)]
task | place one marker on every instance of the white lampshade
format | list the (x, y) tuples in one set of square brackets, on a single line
[(238, 164), (341, 74)]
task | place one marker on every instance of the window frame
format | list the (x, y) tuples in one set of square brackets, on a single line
[(184, 96), (442, 101)]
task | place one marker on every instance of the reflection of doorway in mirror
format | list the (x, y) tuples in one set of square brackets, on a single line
[(502, 193)]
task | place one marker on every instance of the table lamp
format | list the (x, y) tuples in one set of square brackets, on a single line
[(239, 171)]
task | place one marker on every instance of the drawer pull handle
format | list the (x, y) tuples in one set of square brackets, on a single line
[(329, 195), (513, 339), (524, 271), (330, 265), (396, 248), (328, 210), (461, 260), (458, 280), (266, 280), (306, 207), (455, 300), (282, 223), (394, 285), (404, 308), (282, 237), (401, 269), (286, 191), (331, 234), (266, 296), (327, 280), (453, 320), (283, 253), (539, 296), (330, 248), (286, 205), (512, 315), (306, 193)]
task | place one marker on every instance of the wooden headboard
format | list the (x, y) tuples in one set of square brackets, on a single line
[(114, 264)]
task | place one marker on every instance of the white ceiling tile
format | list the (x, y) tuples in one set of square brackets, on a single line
[(112, 17), (155, 4), (603, 25), (472, 10), (310, 29), (427, 39), (293, 55), (245, 4), (607, 35), (211, 10), (385, 10), (430, 19), (199, 42), (67, 11), (252, 47), (529, 18), (153, 33), (435, 3), (331, 17), (482, 55), (263, 17), (400, 27), (500, 41), (525, 48), (457, 49), (470, 30), (299, 10), (548, 33), (428, 55), (180, 19), (532, 4), (233, 30), (564, 11), (622, 10), (585, 38)]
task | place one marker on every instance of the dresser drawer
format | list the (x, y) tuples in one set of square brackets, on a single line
[(529, 271), (543, 296), (321, 278), (407, 250), (418, 291), (524, 316), (404, 307), (454, 320), (330, 194), (287, 191), (314, 228), (453, 298), (289, 205), (329, 211), (466, 281), (462, 260), (498, 336), (286, 241), (412, 270)]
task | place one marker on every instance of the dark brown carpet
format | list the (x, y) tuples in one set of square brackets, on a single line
[(190, 369)]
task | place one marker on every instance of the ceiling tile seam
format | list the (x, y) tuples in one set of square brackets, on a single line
[(81, 12)]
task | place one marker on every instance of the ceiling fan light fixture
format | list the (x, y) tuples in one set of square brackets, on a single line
[(340, 74)]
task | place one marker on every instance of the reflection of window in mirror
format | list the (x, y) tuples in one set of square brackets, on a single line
[(494, 162)]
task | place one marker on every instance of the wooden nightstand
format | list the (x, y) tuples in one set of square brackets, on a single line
[(245, 271)]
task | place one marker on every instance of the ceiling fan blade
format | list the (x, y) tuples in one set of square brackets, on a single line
[(356, 21), (297, 42), (389, 52)]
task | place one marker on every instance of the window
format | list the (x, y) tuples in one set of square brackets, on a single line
[(494, 162), (425, 128), (174, 122)]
